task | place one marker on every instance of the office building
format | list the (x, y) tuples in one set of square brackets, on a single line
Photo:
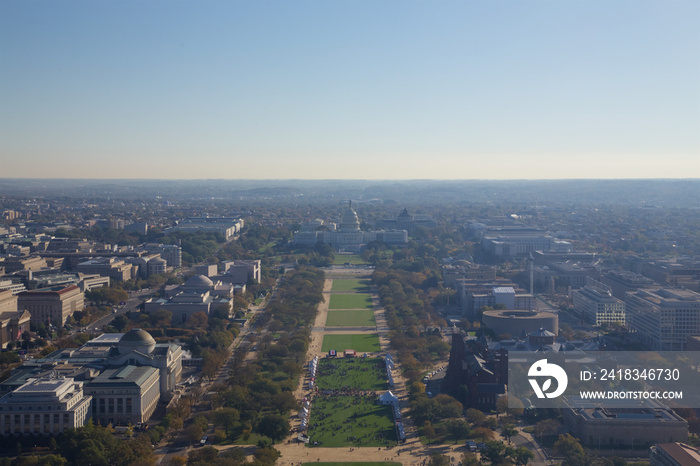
[(462, 269), (674, 454), (171, 253), (228, 227), (238, 272), (16, 264), (596, 304), (630, 424), (13, 322), (663, 318), (51, 305), (111, 267), (475, 294), (621, 282), (140, 228)]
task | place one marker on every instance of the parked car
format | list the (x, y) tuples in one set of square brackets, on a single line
[(203, 441)]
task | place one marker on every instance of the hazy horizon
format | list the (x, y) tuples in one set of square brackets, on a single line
[(358, 90)]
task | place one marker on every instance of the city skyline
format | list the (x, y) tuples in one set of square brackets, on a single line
[(350, 90)]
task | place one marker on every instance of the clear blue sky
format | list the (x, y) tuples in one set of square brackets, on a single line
[(358, 89)]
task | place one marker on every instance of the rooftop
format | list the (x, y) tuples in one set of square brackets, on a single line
[(136, 375)]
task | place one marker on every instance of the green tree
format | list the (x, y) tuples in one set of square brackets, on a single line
[(572, 451), (266, 455), (475, 417), (274, 426), (448, 406), (484, 433), (436, 459), (523, 456), (226, 418), (469, 459), (547, 427), (202, 456), (428, 431), (508, 431), (194, 432), (120, 322), (458, 428), (494, 451)]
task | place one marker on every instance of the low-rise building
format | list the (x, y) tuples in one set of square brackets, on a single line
[(16, 264), (462, 269), (475, 294), (664, 318), (52, 305), (226, 226), (13, 322), (631, 423), (597, 305), (45, 406), (238, 272), (124, 395), (519, 323), (621, 282), (111, 267), (171, 253), (674, 454), (90, 282)]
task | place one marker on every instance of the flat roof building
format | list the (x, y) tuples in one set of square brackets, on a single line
[(45, 406), (111, 267), (622, 281), (674, 454), (226, 226), (596, 304), (664, 318), (631, 423), (52, 305), (124, 395)]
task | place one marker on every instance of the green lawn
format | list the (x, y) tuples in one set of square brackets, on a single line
[(350, 301), (357, 373), (343, 421), (350, 319), (363, 343), (354, 259), (350, 284)]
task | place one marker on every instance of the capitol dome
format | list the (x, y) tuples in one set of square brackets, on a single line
[(136, 340), (199, 281), (349, 220)]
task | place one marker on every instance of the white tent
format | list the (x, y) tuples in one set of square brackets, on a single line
[(388, 398)]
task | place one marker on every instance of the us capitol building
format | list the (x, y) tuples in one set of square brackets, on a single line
[(348, 237)]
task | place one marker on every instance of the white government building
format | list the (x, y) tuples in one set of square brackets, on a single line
[(348, 237)]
